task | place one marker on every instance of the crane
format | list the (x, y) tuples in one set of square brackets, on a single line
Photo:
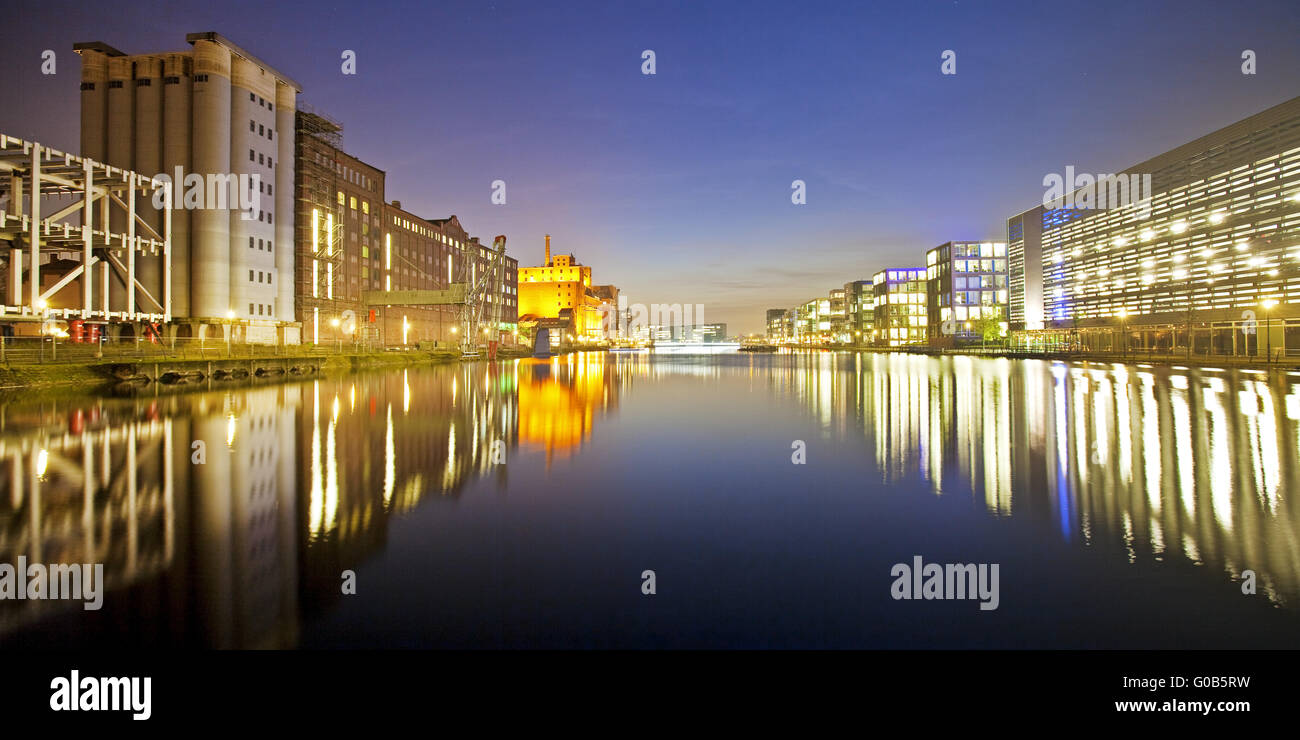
[(481, 311)]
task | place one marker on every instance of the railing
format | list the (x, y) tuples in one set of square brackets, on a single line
[(49, 350)]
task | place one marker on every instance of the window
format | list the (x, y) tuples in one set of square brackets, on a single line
[(250, 242), (270, 162), (261, 159), (259, 308), (259, 243), (261, 131), (269, 246), (251, 97), (200, 78), (342, 199), (250, 276), (270, 218), (252, 125), (252, 157), (268, 189), (250, 309)]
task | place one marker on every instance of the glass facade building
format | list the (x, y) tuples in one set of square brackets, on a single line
[(859, 311), (966, 284), (1204, 260), (899, 306)]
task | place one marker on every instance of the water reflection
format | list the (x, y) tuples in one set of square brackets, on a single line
[(224, 519), (1185, 462)]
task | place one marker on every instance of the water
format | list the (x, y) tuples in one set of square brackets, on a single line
[(1121, 503)]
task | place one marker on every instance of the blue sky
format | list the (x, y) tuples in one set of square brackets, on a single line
[(676, 186)]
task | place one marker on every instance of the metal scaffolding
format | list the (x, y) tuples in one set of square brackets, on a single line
[(483, 293), (34, 177), (320, 216)]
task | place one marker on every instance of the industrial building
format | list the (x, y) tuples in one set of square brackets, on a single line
[(353, 246), (340, 225), (966, 285), (1209, 263), (561, 289), (219, 122)]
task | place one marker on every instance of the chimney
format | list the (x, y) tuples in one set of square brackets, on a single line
[(547, 263), (397, 204)]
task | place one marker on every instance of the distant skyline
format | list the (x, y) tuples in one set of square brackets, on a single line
[(676, 187)]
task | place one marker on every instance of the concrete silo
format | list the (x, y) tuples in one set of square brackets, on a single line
[(210, 228), (285, 110), (178, 87)]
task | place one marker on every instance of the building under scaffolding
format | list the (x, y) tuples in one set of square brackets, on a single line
[(339, 221), (62, 251)]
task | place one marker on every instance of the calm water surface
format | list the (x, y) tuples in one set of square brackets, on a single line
[(1121, 503)]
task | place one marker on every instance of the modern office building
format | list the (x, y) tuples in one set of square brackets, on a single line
[(812, 321), (899, 305), (560, 289), (779, 327), (859, 311), (223, 120), (966, 286), (1209, 262), (836, 316)]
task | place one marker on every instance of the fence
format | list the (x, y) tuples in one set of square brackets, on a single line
[(49, 350)]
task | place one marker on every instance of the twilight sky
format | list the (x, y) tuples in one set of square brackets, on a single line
[(676, 187)]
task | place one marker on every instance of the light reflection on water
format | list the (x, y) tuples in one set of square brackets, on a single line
[(300, 482)]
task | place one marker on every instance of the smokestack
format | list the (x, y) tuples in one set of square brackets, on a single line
[(547, 263)]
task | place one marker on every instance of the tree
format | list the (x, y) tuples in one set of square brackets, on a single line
[(989, 328)]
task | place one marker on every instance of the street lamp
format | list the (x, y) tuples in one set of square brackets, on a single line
[(1123, 315), (1268, 304)]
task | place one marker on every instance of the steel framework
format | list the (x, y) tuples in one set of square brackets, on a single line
[(483, 297), (32, 175), (320, 217)]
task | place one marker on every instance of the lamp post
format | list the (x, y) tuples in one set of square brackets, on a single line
[(1123, 316), (1268, 305), (230, 328)]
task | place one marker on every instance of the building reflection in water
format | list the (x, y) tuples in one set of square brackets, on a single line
[(559, 399), (1195, 463), (299, 482), (225, 518), (183, 499)]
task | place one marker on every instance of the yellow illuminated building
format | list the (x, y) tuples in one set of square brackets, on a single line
[(560, 288)]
